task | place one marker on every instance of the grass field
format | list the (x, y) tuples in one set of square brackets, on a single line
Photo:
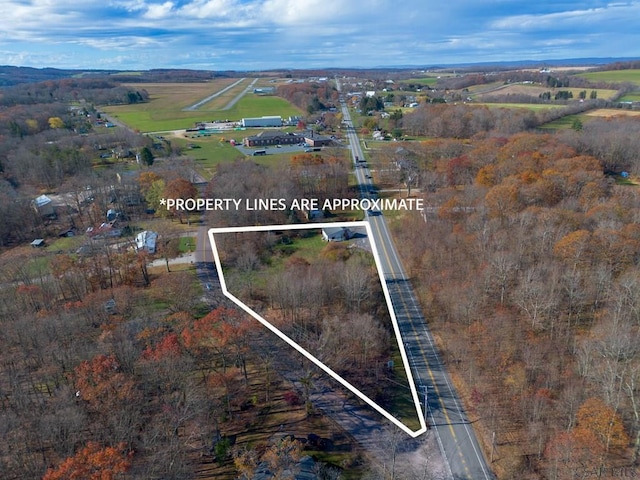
[(567, 122), (165, 110), (430, 81), (614, 76), (536, 91), (631, 97), (564, 122)]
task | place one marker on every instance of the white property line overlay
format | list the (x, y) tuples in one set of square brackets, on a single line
[(387, 296)]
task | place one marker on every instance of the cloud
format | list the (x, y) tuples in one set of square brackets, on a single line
[(299, 33), (611, 16), (156, 11)]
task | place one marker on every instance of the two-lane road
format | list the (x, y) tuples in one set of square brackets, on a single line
[(446, 415)]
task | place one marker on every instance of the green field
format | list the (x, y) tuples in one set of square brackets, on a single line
[(210, 151), (630, 97), (614, 76), (565, 123), (430, 81), (164, 112)]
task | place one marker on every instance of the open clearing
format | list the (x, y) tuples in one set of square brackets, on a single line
[(612, 112), (164, 111), (536, 90), (180, 95), (528, 106), (614, 76)]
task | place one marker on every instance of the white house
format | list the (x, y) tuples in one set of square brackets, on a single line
[(336, 234), (146, 240)]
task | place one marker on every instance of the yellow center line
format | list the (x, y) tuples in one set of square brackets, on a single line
[(422, 353)]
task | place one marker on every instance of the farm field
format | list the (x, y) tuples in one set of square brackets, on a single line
[(612, 112), (484, 87), (165, 110), (181, 95), (620, 76), (536, 90), (630, 97), (565, 122), (430, 81), (528, 106)]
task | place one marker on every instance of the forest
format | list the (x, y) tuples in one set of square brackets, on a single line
[(527, 268), (526, 263)]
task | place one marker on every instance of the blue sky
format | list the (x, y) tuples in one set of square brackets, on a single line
[(263, 34)]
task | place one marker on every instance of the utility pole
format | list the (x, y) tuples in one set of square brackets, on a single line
[(493, 445), (426, 405)]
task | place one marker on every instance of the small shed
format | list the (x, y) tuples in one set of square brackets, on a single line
[(38, 242), (315, 214)]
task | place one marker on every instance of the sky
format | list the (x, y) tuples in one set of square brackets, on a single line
[(299, 34)]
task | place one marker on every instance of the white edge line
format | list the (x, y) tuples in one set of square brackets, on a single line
[(313, 359)]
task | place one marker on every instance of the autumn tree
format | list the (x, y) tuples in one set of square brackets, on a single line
[(93, 462), (183, 189), (596, 418), (101, 383), (56, 122)]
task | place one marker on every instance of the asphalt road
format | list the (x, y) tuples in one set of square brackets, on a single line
[(446, 415)]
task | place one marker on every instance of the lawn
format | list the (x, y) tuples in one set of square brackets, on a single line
[(308, 246), (187, 244), (66, 244), (613, 76), (208, 152)]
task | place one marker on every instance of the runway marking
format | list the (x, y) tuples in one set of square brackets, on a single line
[(316, 226)]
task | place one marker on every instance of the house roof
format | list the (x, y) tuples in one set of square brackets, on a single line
[(333, 230), (42, 200), (146, 239), (274, 134)]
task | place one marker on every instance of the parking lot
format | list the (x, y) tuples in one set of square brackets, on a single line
[(272, 149)]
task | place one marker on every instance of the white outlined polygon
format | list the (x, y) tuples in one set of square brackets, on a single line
[(394, 321)]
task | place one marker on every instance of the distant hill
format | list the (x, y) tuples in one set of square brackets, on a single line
[(10, 75)]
